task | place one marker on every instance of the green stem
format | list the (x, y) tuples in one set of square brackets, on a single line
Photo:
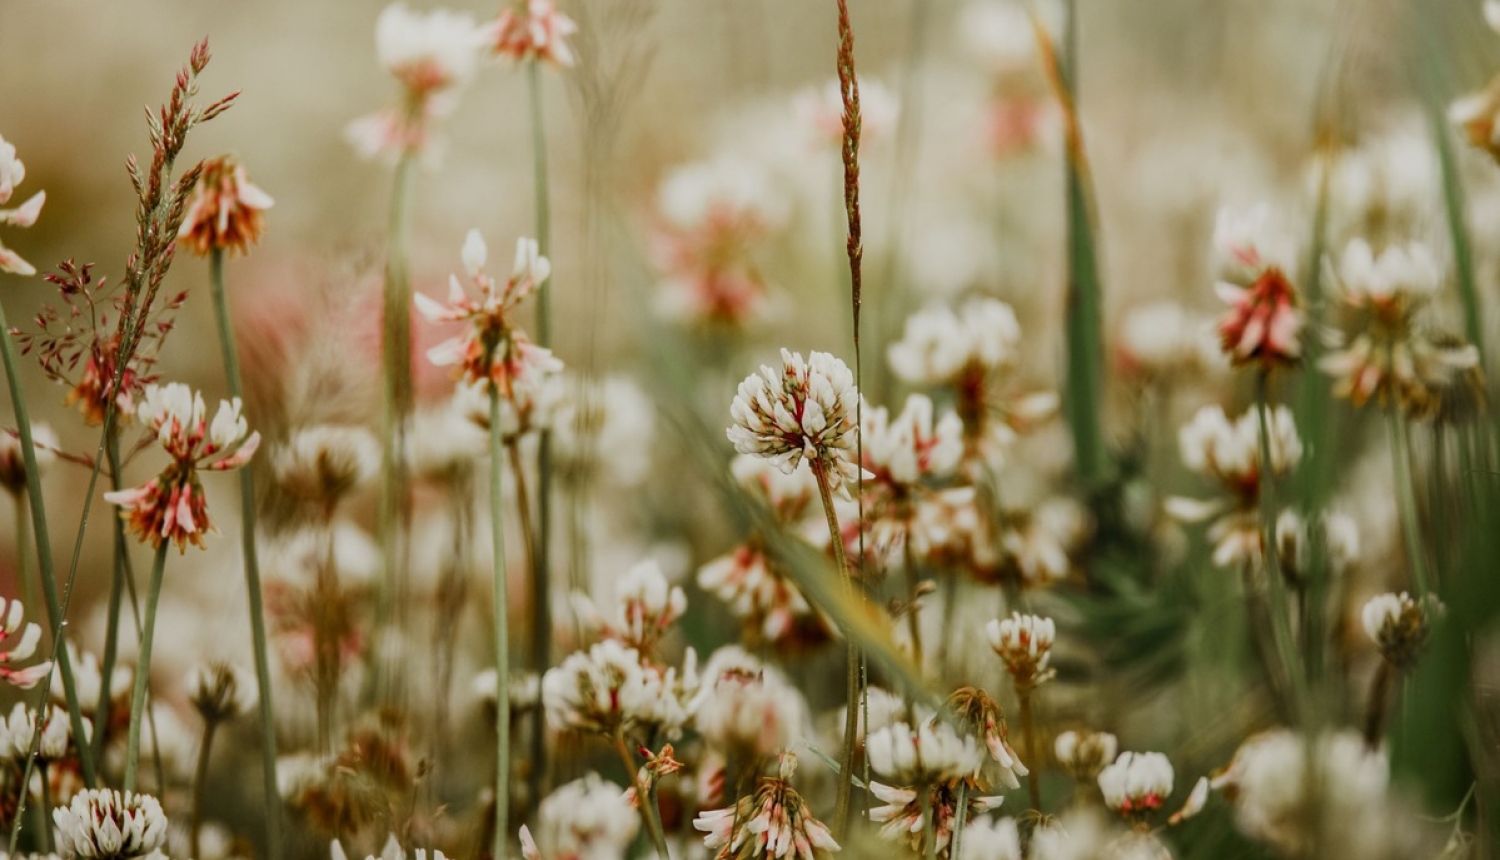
[(929, 830), (395, 490), (138, 704), (1276, 612), (1033, 750), (1406, 499), (54, 601), (252, 578), (541, 558), (649, 814), (45, 825), (502, 627), (852, 676), (121, 573), (960, 818), (200, 780)]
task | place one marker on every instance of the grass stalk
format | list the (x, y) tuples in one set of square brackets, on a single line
[(138, 704), (200, 781), (852, 677), (644, 798), (1033, 748), (1406, 499), (1379, 703), (394, 513), (929, 828), (502, 627), (267, 712), (23, 551)]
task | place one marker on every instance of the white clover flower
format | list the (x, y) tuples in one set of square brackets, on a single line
[(804, 410), (990, 838), (999, 35), (1249, 241), (587, 819), (927, 755), (821, 109), (1024, 643), (171, 409), (1164, 339), (1213, 446), (745, 705), (324, 462), (1137, 783), (1400, 275), (910, 447), (12, 172), (940, 344), (604, 428), (57, 732), (608, 689), (228, 426), (220, 691), (771, 824), (12, 616), (728, 190), (429, 51), (13, 460), (901, 815), (646, 606), (1344, 810), (1084, 754), (391, 851), (1398, 625), (103, 824)]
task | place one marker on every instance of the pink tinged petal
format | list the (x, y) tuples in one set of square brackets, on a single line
[(253, 197), (474, 253), (27, 645), (448, 352), (432, 310), (185, 512), (11, 262), (28, 677), (1229, 293), (26, 214), (241, 456), (129, 499)]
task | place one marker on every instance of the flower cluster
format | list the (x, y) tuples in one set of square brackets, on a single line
[(532, 30), (770, 824), (746, 709), (224, 212), (586, 818), (103, 824), (646, 607), (493, 351), (12, 613), (1264, 323), (1024, 643), (1136, 783), (1398, 625), (804, 410), (173, 506)]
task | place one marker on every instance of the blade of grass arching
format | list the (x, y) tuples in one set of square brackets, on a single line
[(1083, 393), (1429, 69)]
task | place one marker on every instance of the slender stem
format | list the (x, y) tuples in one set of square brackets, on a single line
[(138, 705), (502, 628), (960, 818), (325, 636), (913, 618), (1379, 703), (852, 678), (23, 550), (200, 781), (540, 555), (121, 575), (649, 814), (252, 578), (1033, 752), (395, 490), (523, 511), (1284, 653), (929, 830), (1406, 499), (45, 810)]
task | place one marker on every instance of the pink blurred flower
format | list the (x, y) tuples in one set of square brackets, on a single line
[(12, 172), (1263, 323), (537, 32)]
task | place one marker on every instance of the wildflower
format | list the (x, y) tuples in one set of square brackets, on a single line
[(989, 838), (604, 428), (1398, 625), (1084, 754), (774, 822), (324, 462), (1230, 453), (1164, 340), (219, 691), (981, 716), (715, 215), (1476, 115), (1342, 808), (587, 818), (173, 506), (1263, 323), (537, 33), (646, 606), (1137, 783), (929, 754), (12, 172), (102, 824), (1024, 643), (902, 455), (431, 55), (607, 690), (224, 212), (746, 707), (57, 733), (13, 461), (943, 346), (1390, 357), (805, 410), (1038, 543), (11, 615), (901, 816), (492, 350), (391, 851), (1340, 537)]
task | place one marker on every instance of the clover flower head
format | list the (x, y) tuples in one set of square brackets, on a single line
[(586, 818), (804, 410), (12, 172), (225, 211), (540, 32), (1136, 783), (104, 824), (1024, 644)]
